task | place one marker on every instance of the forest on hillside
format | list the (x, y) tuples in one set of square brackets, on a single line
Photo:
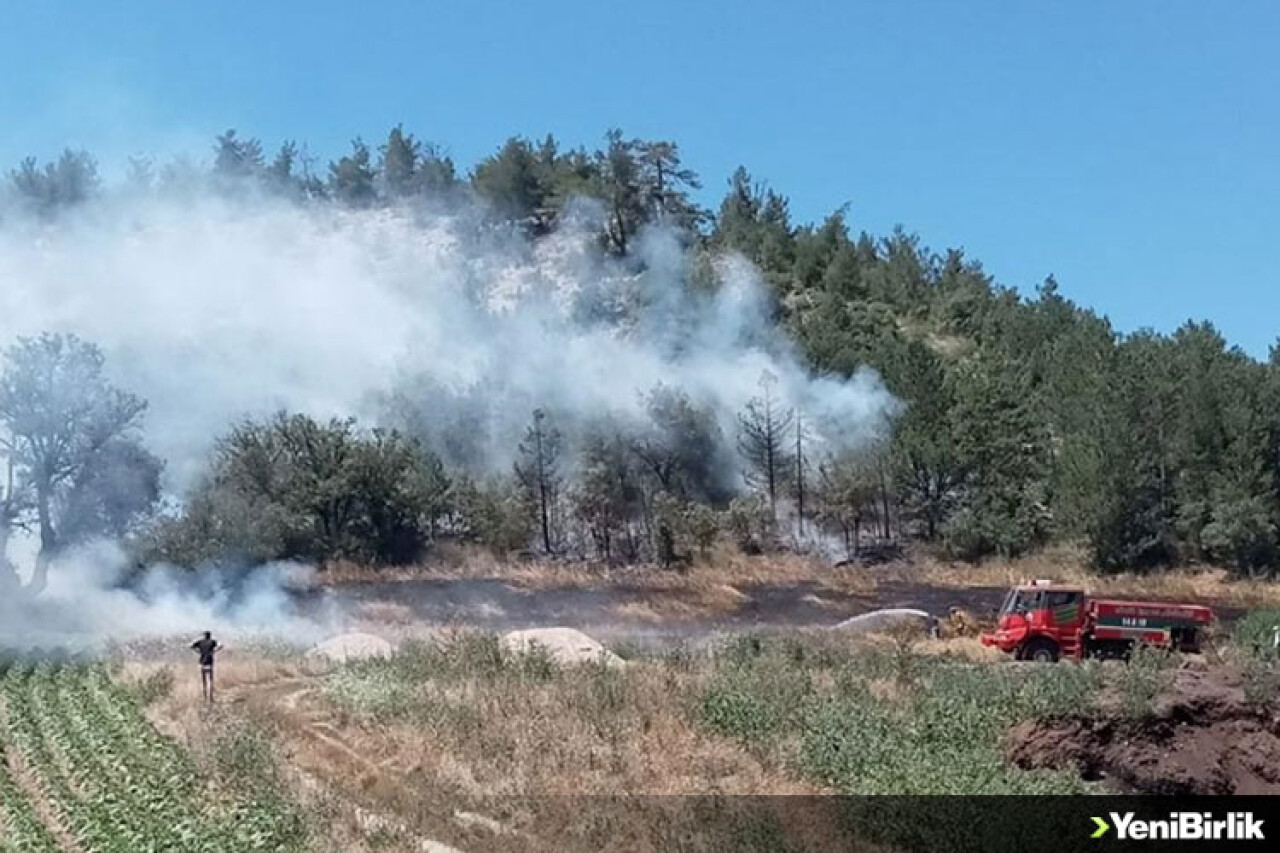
[(1024, 420)]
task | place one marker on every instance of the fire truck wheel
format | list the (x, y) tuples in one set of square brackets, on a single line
[(1040, 650)]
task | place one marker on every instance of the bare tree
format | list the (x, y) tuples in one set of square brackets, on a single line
[(764, 433), (801, 470)]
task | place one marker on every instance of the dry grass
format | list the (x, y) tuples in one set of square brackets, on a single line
[(1213, 585), (594, 729), (725, 582), (725, 566), (490, 744)]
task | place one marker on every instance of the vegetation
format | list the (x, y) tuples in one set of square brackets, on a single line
[(1257, 645), (1148, 674), (864, 719), (109, 782), (1027, 419), (883, 722), (804, 714), (294, 487), (75, 466)]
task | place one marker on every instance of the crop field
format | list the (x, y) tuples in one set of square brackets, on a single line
[(458, 741), (83, 770)]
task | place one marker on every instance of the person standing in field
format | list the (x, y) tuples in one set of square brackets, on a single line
[(206, 647)]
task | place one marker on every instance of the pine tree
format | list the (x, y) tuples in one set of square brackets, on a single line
[(351, 178), (237, 159), (539, 474), (398, 165)]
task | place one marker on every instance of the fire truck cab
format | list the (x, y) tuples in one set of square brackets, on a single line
[(1044, 621)]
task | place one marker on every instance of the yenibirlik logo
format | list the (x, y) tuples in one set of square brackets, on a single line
[(1182, 826)]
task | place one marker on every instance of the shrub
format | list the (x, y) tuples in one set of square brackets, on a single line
[(1254, 640), (731, 711), (1148, 674), (1256, 632)]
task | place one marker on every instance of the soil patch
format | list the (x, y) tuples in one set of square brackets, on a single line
[(620, 610), (1201, 738)]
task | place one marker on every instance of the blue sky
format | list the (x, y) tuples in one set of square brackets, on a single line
[(1128, 148)]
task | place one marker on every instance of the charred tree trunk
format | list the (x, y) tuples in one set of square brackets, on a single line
[(800, 474), (48, 541)]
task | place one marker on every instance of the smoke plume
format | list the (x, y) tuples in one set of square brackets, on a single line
[(217, 307)]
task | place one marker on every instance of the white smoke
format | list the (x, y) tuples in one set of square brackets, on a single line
[(96, 595), (215, 309)]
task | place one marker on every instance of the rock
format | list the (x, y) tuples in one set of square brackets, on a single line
[(357, 646), (565, 645)]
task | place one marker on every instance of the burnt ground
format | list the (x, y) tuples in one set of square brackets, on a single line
[(1202, 737), (636, 611)]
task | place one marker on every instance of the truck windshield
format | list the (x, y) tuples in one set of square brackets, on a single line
[(1020, 601)]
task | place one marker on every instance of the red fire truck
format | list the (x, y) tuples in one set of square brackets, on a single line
[(1043, 621)]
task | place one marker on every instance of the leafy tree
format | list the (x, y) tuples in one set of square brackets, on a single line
[(847, 488), (436, 174), (1131, 519), (494, 513), (293, 487), (749, 522), (112, 495), (928, 469), (287, 175), (607, 496), (756, 222), (71, 436), (679, 448), (404, 496), (15, 506)]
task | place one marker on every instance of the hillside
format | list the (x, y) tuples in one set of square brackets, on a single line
[(1013, 423)]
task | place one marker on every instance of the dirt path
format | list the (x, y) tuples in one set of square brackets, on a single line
[(287, 698), (321, 758)]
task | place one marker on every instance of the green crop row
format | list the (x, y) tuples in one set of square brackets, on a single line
[(20, 826), (113, 782)]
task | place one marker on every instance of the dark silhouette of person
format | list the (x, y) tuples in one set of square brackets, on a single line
[(206, 647)]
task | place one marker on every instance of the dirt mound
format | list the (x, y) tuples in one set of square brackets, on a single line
[(1201, 738), (565, 645), (345, 647)]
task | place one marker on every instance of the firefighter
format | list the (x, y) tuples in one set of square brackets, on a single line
[(960, 623)]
